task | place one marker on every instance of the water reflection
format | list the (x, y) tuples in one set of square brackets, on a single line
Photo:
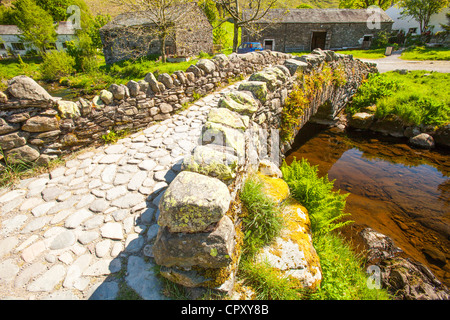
[(396, 190)]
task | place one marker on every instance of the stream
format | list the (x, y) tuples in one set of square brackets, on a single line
[(394, 189)]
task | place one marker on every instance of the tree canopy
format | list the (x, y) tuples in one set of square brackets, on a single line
[(35, 23), (362, 4), (422, 10)]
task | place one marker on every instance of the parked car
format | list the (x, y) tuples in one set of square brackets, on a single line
[(250, 47)]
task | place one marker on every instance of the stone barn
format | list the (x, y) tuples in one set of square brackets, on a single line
[(296, 30), (131, 35)]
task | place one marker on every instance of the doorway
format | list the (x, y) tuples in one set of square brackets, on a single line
[(269, 44), (318, 40)]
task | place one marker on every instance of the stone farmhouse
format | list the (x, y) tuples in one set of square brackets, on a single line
[(131, 35), (297, 30), (12, 43)]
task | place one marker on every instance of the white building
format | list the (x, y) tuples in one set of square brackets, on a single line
[(409, 24), (10, 40)]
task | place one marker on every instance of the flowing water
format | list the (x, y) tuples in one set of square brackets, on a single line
[(394, 189)]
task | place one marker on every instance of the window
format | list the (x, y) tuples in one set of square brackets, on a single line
[(367, 38), (18, 46), (412, 30)]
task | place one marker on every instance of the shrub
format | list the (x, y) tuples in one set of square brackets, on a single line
[(376, 86), (57, 64)]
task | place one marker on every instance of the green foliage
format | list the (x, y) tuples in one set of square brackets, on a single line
[(56, 64), (83, 51), (92, 29), (112, 136), (304, 91), (381, 40), (262, 222), (35, 23), (375, 87), (362, 4), (324, 205), (343, 277)]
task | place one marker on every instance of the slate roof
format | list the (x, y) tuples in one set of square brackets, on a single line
[(64, 27), (320, 16), (139, 18)]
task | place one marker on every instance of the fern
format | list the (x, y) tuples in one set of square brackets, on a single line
[(325, 206)]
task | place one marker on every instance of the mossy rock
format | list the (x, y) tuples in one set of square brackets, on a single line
[(277, 189), (258, 88), (239, 102), (293, 252), (211, 162), (193, 202), (68, 109), (222, 135), (228, 117)]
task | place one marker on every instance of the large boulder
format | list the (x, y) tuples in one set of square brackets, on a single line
[(423, 140), (212, 162), (193, 203), (273, 77), (12, 140), (404, 278), (212, 249), (442, 136), (361, 120), (295, 66), (23, 87)]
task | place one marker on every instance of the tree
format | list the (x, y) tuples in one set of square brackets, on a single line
[(35, 23), (422, 10), (163, 15), (363, 4), (255, 9)]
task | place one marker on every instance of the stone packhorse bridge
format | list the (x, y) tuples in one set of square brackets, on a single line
[(97, 215)]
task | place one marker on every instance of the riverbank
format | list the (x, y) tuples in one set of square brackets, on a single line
[(394, 188)]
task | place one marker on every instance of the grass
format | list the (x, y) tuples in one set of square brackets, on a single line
[(424, 53), (262, 221), (365, 54), (418, 97), (13, 171)]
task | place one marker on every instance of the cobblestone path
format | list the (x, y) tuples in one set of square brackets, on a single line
[(85, 230)]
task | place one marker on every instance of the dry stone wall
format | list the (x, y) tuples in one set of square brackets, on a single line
[(35, 126)]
